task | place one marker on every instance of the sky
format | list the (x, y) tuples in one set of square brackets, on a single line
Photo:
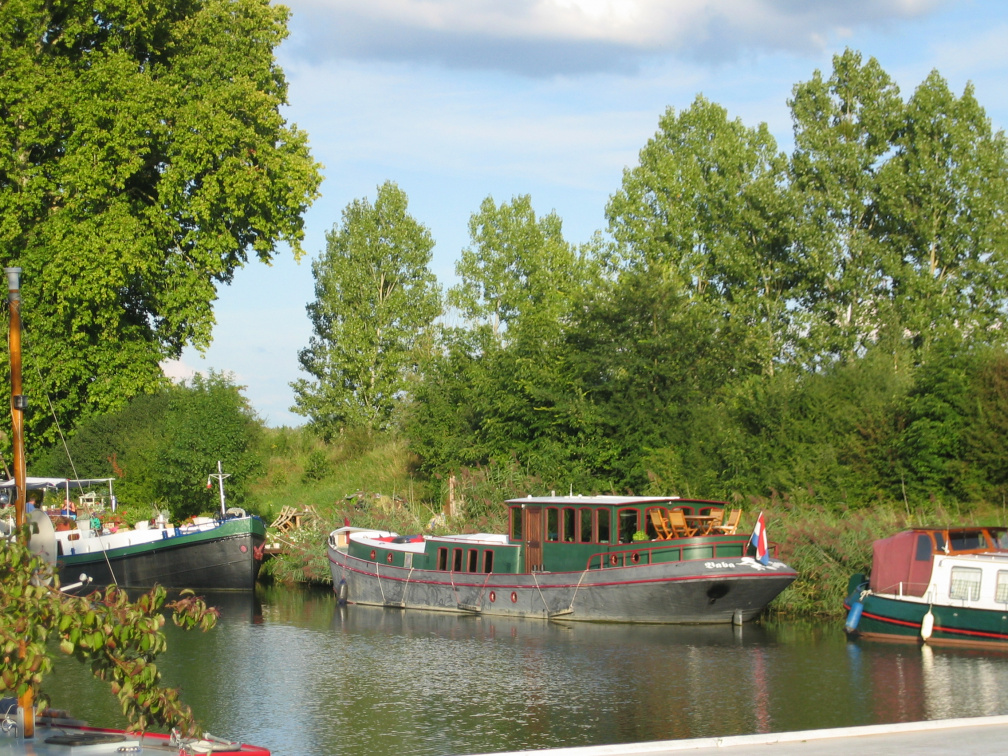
[(458, 100)]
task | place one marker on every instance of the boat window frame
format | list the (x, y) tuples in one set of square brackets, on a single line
[(963, 584), (517, 531), (603, 531), (472, 560), (568, 522), (621, 531), (589, 521), (488, 560), (457, 556), (552, 525), (1001, 587), (442, 558)]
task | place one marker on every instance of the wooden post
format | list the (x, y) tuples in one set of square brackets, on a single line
[(18, 406)]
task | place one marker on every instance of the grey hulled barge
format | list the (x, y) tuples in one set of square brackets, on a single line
[(590, 558)]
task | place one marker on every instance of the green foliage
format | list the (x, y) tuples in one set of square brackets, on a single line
[(117, 638), (375, 302), (162, 448), (824, 324), (143, 160)]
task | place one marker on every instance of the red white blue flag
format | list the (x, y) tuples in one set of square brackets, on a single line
[(759, 540)]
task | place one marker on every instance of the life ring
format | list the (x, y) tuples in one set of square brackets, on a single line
[(613, 559), (341, 592)]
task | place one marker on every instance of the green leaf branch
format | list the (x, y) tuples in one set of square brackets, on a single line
[(118, 638)]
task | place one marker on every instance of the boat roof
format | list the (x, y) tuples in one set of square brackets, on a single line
[(606, 500), (40, 484)]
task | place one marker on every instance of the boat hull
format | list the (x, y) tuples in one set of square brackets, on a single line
[(226, 557), (684, 592), (902, 619)]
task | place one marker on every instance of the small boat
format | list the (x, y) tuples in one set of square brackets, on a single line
[(55, 734), (217, 553), (943, 586), (591, 558)]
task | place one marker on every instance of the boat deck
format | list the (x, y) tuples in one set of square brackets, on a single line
[(980, 736)]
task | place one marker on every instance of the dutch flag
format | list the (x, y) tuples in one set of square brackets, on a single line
[(759, 540)]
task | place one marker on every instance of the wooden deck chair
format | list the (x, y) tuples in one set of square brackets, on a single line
[(680, 528), (713, 525), (732, 524), (661, 525)]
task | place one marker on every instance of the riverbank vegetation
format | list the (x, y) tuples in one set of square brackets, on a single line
[(819, 335)]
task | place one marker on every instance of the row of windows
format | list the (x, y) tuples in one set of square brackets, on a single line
[(583, 525), (966, 585), (465, 560)]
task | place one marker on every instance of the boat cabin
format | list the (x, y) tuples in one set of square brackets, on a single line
[(567, 533), (904, 564)]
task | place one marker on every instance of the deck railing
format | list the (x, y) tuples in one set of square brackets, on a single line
[(635, 555)]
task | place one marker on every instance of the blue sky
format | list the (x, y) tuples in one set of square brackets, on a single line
[(455, 100)]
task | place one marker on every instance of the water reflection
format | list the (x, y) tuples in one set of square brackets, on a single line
[(289, 669)]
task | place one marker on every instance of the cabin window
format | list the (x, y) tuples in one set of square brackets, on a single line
[(516, 524), (965, 584), (586, 526), (1001, 591), (488, 561), (473, 560), (569, 518), (939, 539), (442, 559), (923, 548), (552, 524), (603, 526), (457, 560), (968, 541), (629, 523)]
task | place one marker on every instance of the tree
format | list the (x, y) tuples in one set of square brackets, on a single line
[(375, 303), (942, 199), (207, 422), (707, 212), (162, 447), (143, 159), (845, 128)]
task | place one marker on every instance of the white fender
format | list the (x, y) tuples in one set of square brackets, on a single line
[(927, 625)]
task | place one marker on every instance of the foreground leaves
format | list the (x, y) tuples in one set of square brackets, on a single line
[(118, 638)]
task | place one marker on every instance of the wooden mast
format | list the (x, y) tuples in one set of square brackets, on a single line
[(18, 406), (18, 403)]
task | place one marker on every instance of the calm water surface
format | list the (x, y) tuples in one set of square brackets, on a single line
[(291, 670)]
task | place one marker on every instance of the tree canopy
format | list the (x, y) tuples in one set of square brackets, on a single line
[(829, 321), (143, 159), (375, 303)]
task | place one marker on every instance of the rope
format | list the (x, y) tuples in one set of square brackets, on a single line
[(577, 588), (73, 468), (536, 580), (377, 573), (406, 587)]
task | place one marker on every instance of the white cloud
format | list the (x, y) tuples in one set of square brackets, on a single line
[(177, 370), (546, 37)]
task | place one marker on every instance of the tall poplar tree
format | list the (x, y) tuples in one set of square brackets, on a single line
[(845, 129), (375, 303), (143, 159)]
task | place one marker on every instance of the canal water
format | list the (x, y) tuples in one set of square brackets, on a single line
[(291, 670)]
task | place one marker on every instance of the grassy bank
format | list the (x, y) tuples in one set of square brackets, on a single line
[(370, 481)]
